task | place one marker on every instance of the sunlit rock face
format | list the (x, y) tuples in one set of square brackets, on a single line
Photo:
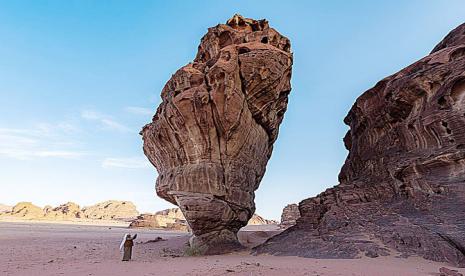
[(402, 186), (213, 133)]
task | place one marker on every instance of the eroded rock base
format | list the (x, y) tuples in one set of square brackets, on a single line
[(216, 242)]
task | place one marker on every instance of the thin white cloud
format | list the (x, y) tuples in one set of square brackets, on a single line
[(104, 120), (60, 154), (128, 163), (40, 141), (139, 110), (51, 129)]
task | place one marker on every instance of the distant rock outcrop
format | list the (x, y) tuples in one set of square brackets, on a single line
[(402, 186), (258, 220), (173, 219), (26, 210), (67, 211), (108, 210), (111, 210), (213, 133), (290, 215)]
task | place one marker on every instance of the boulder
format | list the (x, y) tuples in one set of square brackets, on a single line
[(402, 187), (213, 133), (444, 271)]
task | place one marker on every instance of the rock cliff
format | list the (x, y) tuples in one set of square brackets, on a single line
[(402, 186), (213, 133), (290, 216)]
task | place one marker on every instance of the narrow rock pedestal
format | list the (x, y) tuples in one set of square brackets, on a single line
[(213, 133)]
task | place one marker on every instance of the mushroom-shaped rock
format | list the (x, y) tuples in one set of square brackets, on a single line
[(213, 133)]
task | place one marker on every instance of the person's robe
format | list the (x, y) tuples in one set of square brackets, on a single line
[(128, 244)]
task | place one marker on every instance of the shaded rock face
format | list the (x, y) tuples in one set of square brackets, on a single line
[(111, 209), (402, 186), (290, 216), (213, 134)]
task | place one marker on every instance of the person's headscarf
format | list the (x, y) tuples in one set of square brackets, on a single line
[(122, 242)]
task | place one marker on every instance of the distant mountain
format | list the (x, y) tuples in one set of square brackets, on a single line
[(107, 210), (111, 209)]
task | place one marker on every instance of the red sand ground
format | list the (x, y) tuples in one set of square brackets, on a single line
[(52, 249)]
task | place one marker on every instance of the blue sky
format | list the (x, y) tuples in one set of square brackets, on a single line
[(78, 80)]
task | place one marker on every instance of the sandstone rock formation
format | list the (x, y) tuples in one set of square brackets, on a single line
[(111, 210), (170, 219), (213, 134), (290, 216), (173, 219), (67, 211), (258, 220), (26, 210), (108, 210), (402, 185)]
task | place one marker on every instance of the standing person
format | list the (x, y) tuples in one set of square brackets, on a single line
[(127, 244)]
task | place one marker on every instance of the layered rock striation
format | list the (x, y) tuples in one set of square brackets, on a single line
[(213, 133), (402, 186)]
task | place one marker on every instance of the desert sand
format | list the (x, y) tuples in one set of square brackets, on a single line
[(65, 249)]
